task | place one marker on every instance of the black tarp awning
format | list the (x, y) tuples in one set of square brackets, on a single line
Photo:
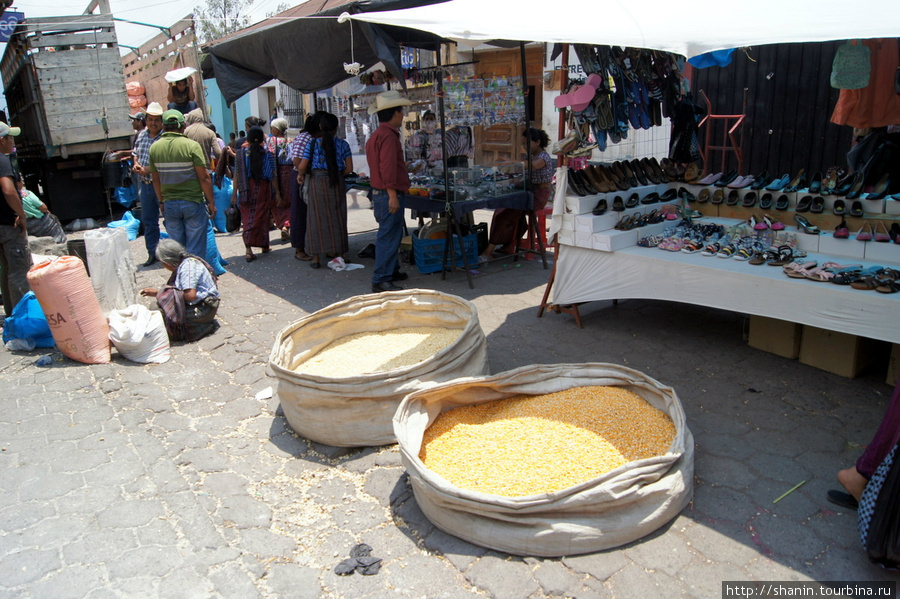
[(308, 53)]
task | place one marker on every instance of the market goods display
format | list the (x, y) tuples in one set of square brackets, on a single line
[(524, 445), (76, 321), (349, 408), (365, 353), (607, 510)]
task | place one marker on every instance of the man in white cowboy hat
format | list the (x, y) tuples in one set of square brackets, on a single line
[(389, 178), (149, 202), (15, 258)]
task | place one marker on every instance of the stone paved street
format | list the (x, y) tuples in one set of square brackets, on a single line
[(175, 481)]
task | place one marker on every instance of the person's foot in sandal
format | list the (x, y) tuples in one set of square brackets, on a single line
[(301, 255), (852, 481)]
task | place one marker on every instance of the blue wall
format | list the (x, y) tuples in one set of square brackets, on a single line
[(220, 113)]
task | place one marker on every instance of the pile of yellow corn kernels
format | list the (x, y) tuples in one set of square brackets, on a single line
[(525, 445), (364, 353)]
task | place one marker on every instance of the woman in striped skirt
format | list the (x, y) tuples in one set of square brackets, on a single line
[(326, 218), (254, 169)]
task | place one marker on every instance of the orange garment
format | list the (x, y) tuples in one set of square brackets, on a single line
[(876, 105)]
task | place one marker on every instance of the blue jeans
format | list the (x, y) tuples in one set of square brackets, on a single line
[(387, 241), (149, 216), (186, 222)]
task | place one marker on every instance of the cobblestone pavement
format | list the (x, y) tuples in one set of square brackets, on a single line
[(174, 480)]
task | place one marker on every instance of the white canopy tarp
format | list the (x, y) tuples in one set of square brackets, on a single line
[(688, 29)]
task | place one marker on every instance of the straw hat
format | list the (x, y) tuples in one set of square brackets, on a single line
[(389, 99)]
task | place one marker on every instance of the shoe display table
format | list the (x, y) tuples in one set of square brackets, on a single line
[(520, 200), (585, 275)]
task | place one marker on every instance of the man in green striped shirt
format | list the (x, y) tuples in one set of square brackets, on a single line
[(182, 184)]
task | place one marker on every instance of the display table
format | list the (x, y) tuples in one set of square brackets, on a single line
[(519, 200), (584, 275)]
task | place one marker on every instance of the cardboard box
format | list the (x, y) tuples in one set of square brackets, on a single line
[(610, 241), (583, 239), (848, 248), (893, 365), (778, 337), (891, 206), (583, 204), (589, 223), (838, 353), (882, 253)]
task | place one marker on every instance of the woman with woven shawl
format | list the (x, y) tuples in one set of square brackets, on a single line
[(190, 299), (326, 219), (254, 170), (280, 146)]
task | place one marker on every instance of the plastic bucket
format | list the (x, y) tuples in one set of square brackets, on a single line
[(77, 247)]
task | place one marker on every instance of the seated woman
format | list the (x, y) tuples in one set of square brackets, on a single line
[(506, 227), (190, 299), (41, 223), (181, 96)]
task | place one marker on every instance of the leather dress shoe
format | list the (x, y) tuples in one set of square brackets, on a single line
[(385, 286), (400, 276), (150, 261)]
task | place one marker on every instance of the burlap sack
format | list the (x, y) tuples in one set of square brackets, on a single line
[(356, 411), (617, 508)]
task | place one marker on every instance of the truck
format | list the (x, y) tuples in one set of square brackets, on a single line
[(65, 88)]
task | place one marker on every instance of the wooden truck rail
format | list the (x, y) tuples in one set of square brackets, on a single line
[(65, 87)]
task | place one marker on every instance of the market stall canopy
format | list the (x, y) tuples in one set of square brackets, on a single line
[(687, 29), (307, 50)]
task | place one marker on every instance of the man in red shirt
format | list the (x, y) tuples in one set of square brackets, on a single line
[(389, 178)]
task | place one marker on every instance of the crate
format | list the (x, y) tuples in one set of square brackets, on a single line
[(775, 336), (429, 253)]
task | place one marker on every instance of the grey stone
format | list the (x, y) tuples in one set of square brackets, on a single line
[(502, 578), (290, 580), (556, 580), (151, 560), (220, 484), (381, 482), (204, 460), (599, 565), (231, 581), (68, 583), (29, 565), (99, 546), (185, 583), (245, 512), (266, 545), (458, 552), (634, 581)]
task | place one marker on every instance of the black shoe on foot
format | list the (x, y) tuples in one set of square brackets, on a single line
[(151, 261), (845, 500), (400, 276), (385, 286), (367, 252)]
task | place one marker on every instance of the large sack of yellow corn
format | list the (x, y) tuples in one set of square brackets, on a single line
[(342, 371), (548, 460)]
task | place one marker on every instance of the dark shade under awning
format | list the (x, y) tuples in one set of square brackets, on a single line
[(308, 53)]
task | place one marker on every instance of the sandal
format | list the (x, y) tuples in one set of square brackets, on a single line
[(799, 270), (301, 255), (249, 257), (266, 250), (784, 256)]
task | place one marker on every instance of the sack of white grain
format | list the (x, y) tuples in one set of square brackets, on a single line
[(595, 513), (352, 405)]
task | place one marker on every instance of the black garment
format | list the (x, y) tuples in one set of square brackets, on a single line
[(7, 215), (685, 145)]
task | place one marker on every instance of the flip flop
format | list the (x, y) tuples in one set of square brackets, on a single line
[(845, 500)]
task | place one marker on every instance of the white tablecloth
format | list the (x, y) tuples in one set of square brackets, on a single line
[(584, 275)]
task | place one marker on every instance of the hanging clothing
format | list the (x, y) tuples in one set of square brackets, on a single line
[(876, 105)]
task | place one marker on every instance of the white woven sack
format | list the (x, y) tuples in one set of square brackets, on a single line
[(139, 334), (614, 509), (356, 411), (112, 268)]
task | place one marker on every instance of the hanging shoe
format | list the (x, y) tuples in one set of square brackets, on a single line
[(880, 190)]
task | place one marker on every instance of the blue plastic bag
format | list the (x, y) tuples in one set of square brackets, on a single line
[(28, 322), (222, 196), (129, 223), (126, 195), (212, 252)]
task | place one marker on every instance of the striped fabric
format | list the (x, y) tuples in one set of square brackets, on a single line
[(174, 158)]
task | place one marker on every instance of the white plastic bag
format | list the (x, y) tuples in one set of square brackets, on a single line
[(112, 268), (139, 334)]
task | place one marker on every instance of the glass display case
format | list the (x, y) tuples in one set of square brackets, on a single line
[(504, 178)]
